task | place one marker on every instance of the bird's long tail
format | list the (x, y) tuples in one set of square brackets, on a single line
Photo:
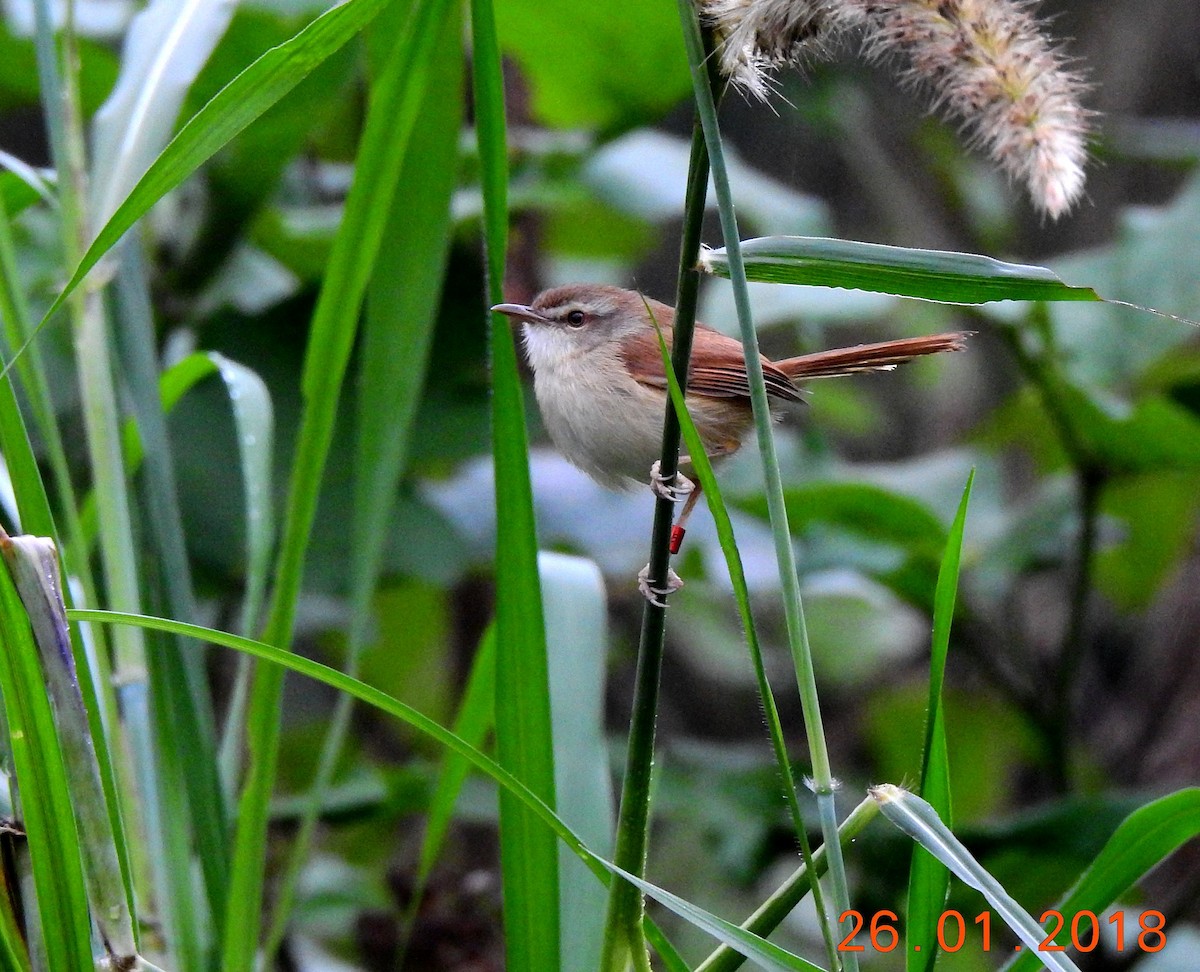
[(882, 356)]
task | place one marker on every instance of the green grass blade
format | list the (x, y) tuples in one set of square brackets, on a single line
[(771, 913), (1144, 839), (44, 791), (394, 108), (765, 954), (928, 879), (187, 729), (920, 821), (529, 859), (401, 314), (737, 577), (822, 784), (254, 424), (341, 682), (238, 104), (760, 950), (938, 275)]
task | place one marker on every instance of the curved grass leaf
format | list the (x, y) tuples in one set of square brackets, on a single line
[(395, 102), (761, 951), (920, 821), (870, 511), (402, 303), (1144, 839), (938, 275), (235, 106), (928, 879)]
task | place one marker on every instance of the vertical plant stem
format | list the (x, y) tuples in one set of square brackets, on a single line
[(822, 777), (1090, 484), (57, 64), (1090, 478), (623, 938)]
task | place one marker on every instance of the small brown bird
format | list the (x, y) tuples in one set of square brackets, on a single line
[(599, 381)]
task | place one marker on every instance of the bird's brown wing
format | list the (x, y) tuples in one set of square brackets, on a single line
[(718, 368)]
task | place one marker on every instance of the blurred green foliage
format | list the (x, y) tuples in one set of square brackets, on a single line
[(1068, 702)]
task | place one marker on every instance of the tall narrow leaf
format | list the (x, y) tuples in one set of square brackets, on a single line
[(402, 304), (929, 880), (523, 733), (395, 103)]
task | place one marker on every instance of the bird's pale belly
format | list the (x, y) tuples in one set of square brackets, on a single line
[(616, 437)]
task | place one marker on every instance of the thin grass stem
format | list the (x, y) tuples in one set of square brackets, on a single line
[(823, 783), (623, 937)]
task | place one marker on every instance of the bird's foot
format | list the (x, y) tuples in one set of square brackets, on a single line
[(657, 595), (674, 489)]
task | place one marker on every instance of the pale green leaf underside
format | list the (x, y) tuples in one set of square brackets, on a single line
[(938, 275)]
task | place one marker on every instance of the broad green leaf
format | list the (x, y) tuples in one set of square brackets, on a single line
[(871, 511), (938, 275), (605, 66), (1151, 508), (577, 652), (239, 103), (1145, 838), (929, 880)]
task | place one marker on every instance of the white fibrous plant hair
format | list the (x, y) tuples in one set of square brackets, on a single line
[(757, 37), (986, 62)]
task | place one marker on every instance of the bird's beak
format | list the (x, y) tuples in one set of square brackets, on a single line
[(521, 312)]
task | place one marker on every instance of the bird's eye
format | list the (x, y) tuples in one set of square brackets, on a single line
[(576, 318)]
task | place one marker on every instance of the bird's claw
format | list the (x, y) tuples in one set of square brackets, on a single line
[(674, 489), (657, 595)]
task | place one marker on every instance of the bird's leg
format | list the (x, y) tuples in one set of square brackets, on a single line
[(657, 595), (680, 487), (680, 527), (673, 490)]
